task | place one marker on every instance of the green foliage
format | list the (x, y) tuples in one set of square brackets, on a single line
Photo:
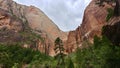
[(30, 37), (101, 55), (16, 56), (70, 64), (110, 14), (59, 49), (83, 57), (15, 65)]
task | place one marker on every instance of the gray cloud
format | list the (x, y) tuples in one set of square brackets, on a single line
[(67, 14)]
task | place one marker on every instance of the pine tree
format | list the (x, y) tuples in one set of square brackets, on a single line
[(59, 49)]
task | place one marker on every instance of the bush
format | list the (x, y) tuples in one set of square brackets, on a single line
[(110, 14)]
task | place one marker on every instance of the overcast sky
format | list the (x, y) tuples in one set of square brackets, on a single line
[(67, 14)]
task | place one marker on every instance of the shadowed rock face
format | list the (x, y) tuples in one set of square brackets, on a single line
[(7, 21), (9, 26), (112, 32)]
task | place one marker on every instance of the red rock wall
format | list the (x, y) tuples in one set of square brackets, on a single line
[(94, 19)]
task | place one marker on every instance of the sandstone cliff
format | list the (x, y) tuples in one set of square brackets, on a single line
[(9, 26), (7, 21), (16, 17), (94, 19), (37, 20)]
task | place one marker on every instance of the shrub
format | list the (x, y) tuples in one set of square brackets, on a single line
[(110, 14)]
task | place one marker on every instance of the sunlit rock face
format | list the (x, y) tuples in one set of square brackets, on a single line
[(94, 19), (13, 16), (35, 17), (40, 22)]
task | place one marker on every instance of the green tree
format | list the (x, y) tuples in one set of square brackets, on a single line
[(101, 55), (59, 50), (14, 56), (70, 63)]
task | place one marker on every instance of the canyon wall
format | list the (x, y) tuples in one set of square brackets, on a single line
[(17, 17), (94, 19)]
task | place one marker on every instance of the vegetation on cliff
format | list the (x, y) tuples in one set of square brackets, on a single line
[(113, 11)]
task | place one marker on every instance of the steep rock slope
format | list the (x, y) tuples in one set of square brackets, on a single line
[(7, 21), (36, 19), (9, 26), (40, 22), (94, 19), (17, 17)]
